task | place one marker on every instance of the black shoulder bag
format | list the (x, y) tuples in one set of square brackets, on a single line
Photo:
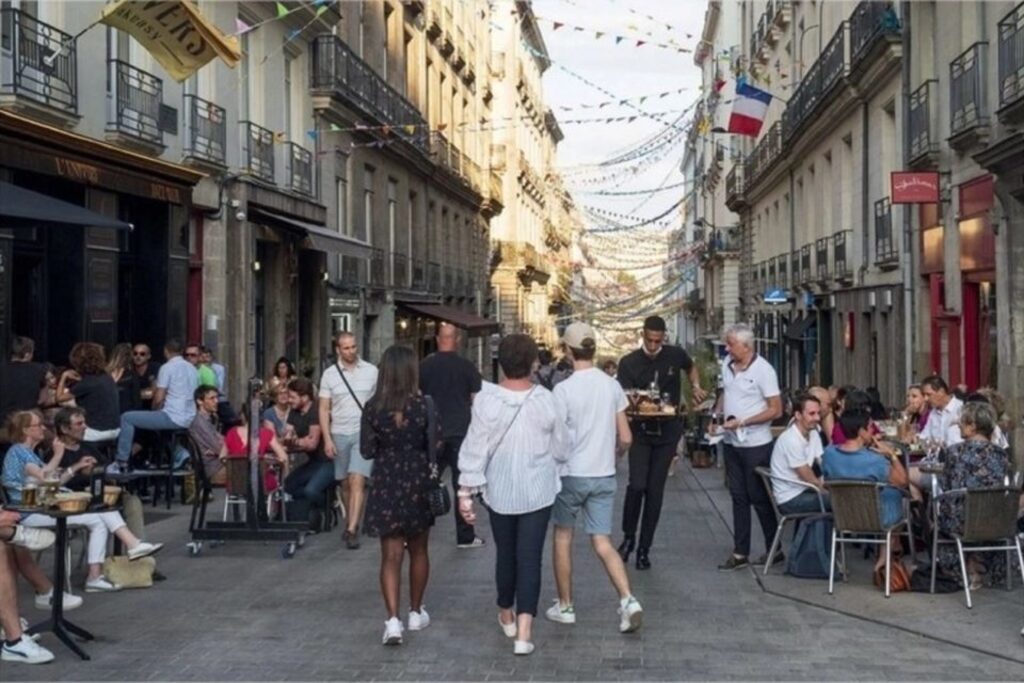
[(348, 386), (438, 498)]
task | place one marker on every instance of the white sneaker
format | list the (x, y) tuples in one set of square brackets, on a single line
[(509, 629), (563, 614), (393, 631), (32, 538), (26, 651), (24, 627), (477, 542), (144, 549), (522, 647), (631, 615), (45, 601), (419, 620), (101, 585)]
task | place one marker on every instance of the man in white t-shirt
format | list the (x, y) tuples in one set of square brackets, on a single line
[(750, 400), (796, 450), (944, 420), (593, 407), (342, 397)]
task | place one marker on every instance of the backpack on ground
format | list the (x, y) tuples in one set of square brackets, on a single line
[(811, 549)]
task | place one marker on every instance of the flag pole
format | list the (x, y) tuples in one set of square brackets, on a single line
[(48, 60)]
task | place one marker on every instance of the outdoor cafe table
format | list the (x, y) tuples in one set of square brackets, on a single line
[(56, 623)]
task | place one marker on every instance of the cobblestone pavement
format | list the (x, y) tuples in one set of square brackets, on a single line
[(240, 612)]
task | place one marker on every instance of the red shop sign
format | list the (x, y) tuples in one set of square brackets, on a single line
[(912, 187)]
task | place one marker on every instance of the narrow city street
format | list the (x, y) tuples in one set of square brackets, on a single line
[(240, 612)]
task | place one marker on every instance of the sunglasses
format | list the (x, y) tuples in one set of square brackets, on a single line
[(191, 355)]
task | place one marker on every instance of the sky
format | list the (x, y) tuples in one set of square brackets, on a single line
[(626, 71)]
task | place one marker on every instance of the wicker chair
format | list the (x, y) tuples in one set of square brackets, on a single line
[(768, 477), (990, 523), (856, 512)]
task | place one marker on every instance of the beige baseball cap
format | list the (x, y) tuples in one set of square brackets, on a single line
[(576, 335)]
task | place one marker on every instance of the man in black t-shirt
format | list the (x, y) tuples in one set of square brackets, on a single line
[(452, 381), (21, 380), (69, 424), (654, 439), (307, 483)]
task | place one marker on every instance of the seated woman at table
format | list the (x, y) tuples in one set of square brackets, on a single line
[(236, 445), (275, 417), (973, 463), (21, 464), (852, 399), (915, 414)]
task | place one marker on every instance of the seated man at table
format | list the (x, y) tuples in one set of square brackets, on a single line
[(15, 646), (854, 460), (793, 457), (205, 431), (308, 482), (70, 427), (173, 403)]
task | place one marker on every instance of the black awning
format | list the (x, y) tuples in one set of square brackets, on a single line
[(798, 329), (472, 323), (317, 237), (21, 208)]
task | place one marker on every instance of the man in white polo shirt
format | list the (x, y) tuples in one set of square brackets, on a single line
[(944, 421), (793, 458), (750, 401), (345, 387)]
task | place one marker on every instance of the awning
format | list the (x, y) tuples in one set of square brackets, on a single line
[(317, 237), (473, 324), (797, 329), (24, 208)]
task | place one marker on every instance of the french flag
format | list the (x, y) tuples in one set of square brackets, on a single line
[(748, 110)]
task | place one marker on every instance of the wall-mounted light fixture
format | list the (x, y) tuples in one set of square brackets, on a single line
[(256, 266)]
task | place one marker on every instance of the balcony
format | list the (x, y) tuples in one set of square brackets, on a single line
[(433, 26), (886, 255), (460, 283), (735, 188), (530, 180), (765, 153), (434, 277), (821, 261), (874, 32), (298, 169), (722, 244), (841, 269), (494, 202), (794, 267), (206, 134), (781, 276), (825, 74), (135, 106), (257, 157), (449, 281), (805, 265), (349, 271), (924, 126), (524, 259), (968, 109), (1011, 67), (378, 269), (770, 276), (399, 270), (419, 275), (339, 75), (36, 75)]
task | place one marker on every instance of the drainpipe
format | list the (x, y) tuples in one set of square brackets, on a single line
[(792, 248), (865, 200), (909, 278)]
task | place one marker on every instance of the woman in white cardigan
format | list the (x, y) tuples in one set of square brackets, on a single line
[(511, 455)]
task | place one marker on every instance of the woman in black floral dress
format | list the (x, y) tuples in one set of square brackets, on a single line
[(394, 435)]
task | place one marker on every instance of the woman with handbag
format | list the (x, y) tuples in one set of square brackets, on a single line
[(511, 456), (400, 433)]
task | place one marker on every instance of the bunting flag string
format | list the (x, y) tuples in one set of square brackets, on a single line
[(648, 39), (630, 193), (637, 98)]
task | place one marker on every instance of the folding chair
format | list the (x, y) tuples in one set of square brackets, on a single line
[(768, 477)]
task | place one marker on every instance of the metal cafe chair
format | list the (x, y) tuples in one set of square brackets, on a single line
[(990, 523), (857, 518), (768, 477)]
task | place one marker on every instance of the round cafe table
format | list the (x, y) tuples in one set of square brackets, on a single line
[(56, 623)]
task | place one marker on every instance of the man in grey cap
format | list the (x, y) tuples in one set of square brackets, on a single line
[(593, 407)]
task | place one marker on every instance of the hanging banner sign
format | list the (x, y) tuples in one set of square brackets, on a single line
[(912, 187)]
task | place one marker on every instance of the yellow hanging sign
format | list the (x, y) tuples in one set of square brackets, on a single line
[(174, 32)]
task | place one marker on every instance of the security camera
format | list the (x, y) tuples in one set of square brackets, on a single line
[(240, 216)]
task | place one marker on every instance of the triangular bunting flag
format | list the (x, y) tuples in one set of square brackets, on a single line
[(321, 10), (241, 27), (618, 39), (578, 28), (639, 43), (410, 129), (311, 134), (280, 137), (441, 126), (335, 128), (282, 11), (555, 25), (598, 35)]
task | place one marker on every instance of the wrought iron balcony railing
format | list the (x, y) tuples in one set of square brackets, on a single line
[(869, 22), (399, 270), (378, 269), (257, 158), (885, 244), (1011, 57), (765, 153), (841, 269), (781, 275), (924, 134), (337, 70), (794, 267), (350, 271), (299, 169), (419, 274), (735, 185), (39, 62), (805, 264), (770, 276), (825, 73), (821, 258), (137, 96), (449, 280), (434, 273), (206, 132), (967, 102)]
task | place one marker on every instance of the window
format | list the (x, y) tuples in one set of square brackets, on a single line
[(341, 198), (392, 227), (388, 12), (368, 202), (243, 79)]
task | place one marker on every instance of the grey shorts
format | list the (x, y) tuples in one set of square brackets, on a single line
[(593, 496), (348, 459)]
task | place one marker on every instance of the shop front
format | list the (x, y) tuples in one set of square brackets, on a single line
[(66, 280)]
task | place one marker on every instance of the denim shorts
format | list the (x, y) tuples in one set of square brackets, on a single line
[(593, 496), (348, 459)]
